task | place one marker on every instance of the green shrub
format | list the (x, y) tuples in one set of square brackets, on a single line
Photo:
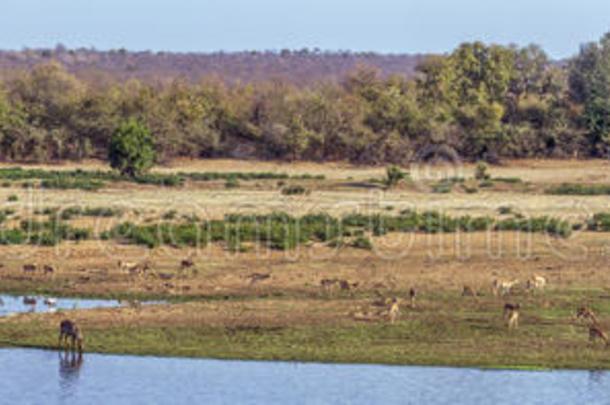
[(393, 176), (579, 189), (294, 190), (232, 183), (12, 198), (362, 243), (512, 180), (480, 172)]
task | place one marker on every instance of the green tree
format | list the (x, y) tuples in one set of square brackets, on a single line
[(131, 148), (589, 81)]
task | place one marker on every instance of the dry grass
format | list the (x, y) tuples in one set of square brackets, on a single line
[(217, 310)]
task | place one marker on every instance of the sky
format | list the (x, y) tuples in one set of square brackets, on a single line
[(386, 26)]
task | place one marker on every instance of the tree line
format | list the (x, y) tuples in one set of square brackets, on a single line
[(481, 102)]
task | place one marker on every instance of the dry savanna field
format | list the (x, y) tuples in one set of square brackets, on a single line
[(321, 298)]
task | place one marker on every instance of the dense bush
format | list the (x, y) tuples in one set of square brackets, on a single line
[(579, 189), (480, 102)]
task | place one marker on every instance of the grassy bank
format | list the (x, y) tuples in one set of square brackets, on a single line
[(323, 330)]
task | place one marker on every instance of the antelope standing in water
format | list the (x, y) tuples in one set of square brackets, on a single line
[(511, 314), (69, 329)]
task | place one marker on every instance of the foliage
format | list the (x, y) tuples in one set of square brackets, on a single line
[(131, 149)]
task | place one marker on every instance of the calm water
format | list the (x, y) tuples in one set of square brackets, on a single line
[(15, 304), (46, 377)]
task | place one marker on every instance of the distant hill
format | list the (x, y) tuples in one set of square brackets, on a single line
[(298, 67)]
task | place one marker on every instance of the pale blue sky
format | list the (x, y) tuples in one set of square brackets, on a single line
[(379, 25)]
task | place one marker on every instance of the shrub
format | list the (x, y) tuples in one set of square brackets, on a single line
[(13, 198), (130, 150), (512, 180), (294, 190), (480, 172), (579, 189), (232, 183), (393, 176), (362, 243)]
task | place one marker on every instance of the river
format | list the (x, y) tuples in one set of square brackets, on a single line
[(46, 377)]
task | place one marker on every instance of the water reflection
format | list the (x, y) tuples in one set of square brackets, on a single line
[(30, 376), (69, 372)]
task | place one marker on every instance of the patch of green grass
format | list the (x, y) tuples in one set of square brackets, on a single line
[(579, 189)]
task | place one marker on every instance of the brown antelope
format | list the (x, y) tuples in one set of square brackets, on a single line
[(511, 314), (256, 277), (503, 286), (468, 291), (69, 329), (128, 266), (186, 263), (394, 309), (29, 268), (49, 302), (536, 283), (29, 301), (596, 332), (347, 286), (586, 314), (48, 269), (412, 295), (328, 283)]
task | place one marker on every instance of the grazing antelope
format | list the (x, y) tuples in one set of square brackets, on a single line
[(69, 329), (511, 314), (468, 291), (412, 295), (328, 283), (394, 310), (596, 332), (129, 267), (536, 283), (29, 268), (586, 314), (48, 269), (347, 286), (29, 301), (256, 277), (186, 263), (503, 286)]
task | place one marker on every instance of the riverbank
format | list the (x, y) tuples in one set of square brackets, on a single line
[(441, 331)]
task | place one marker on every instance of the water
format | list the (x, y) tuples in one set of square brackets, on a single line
[(36, 377), (14, 304)]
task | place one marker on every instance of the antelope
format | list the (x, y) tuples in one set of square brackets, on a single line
[(503, 286), (536, 283), (186, 263), (50, 302), (29, 301), (327, 283), (130, 267), (412, 295), (48, 269), (586, 314), (347, 286), (69, 329), (255, 277), (511, 314), (29, 268), (468, 291), (394, 309), (596, 332)]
